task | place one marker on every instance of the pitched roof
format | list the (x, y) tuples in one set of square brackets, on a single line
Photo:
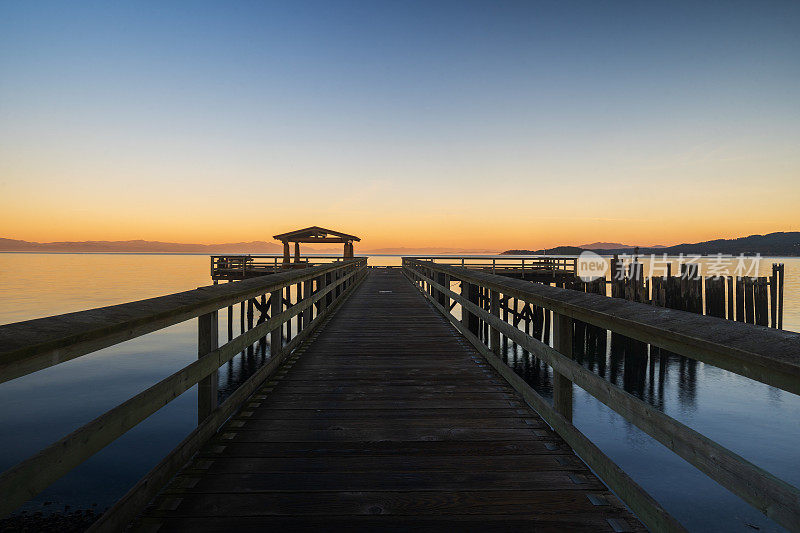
[(313, 233)]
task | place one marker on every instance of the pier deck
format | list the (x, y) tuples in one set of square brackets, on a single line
[(387, 418)]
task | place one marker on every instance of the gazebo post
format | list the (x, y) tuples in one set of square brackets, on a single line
[(297, 252), (286, 257)]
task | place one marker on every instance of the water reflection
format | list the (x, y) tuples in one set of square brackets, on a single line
[(636, 367), (237, 370), (732, 410)]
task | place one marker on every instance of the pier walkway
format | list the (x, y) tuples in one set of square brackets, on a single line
[(386, 417), (385, 403)]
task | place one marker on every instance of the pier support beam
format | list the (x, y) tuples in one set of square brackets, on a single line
[(207, 341), (494, 333), (276, 335), (562, 387), (307, 291), (470, 292)]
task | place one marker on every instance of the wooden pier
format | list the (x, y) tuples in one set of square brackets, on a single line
[(388, 420), (540, 269), (384, 404)]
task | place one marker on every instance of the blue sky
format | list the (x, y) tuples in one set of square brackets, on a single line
[(391, 117)]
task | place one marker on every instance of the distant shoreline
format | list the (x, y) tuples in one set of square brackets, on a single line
[(778, 244)]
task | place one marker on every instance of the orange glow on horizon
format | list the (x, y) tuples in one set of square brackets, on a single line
[(393, 232)]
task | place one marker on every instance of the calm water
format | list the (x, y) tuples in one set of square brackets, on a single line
[(756, 421)]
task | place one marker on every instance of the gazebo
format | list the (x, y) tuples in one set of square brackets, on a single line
[(317, 235)]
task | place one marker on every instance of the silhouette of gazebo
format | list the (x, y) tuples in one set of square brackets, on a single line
[(314, 234)]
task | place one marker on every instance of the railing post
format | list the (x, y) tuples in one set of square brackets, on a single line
[(324, 282), (298, 299), (276, 335), (494, 333), (288, 299), (470, 321), (307, 286), (562, 387), (444, 280), (207, 341), (230, 321)]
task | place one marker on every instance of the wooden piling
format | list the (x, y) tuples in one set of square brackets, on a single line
[(207, 342), (780, 295), (749, 308), (562, 387), (760, 303), (276, 335)]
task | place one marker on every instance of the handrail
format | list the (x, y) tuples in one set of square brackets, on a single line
[(774, 497), (237, 266), (757, 352), (76, 334), (32, 345), (563, 264)]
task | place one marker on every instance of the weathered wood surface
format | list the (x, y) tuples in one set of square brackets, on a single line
[(776, 498), (389, 420)]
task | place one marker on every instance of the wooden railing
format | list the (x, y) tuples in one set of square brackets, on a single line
[(222, 264), (36, 344), (766, 355), (566, 265)]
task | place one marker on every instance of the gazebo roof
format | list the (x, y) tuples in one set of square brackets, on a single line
[(315, 234)]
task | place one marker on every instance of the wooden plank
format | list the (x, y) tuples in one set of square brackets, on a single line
[(334, 423), (327, 503), (588, 522), (550, 443), (395, 463), (383, 480)]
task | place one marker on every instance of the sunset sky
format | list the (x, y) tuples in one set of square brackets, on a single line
[(459, 124)]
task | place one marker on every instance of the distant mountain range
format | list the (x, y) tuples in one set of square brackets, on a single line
[(429, 251), (251, 247), (612, 246), (772, 244), (13, 245)]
